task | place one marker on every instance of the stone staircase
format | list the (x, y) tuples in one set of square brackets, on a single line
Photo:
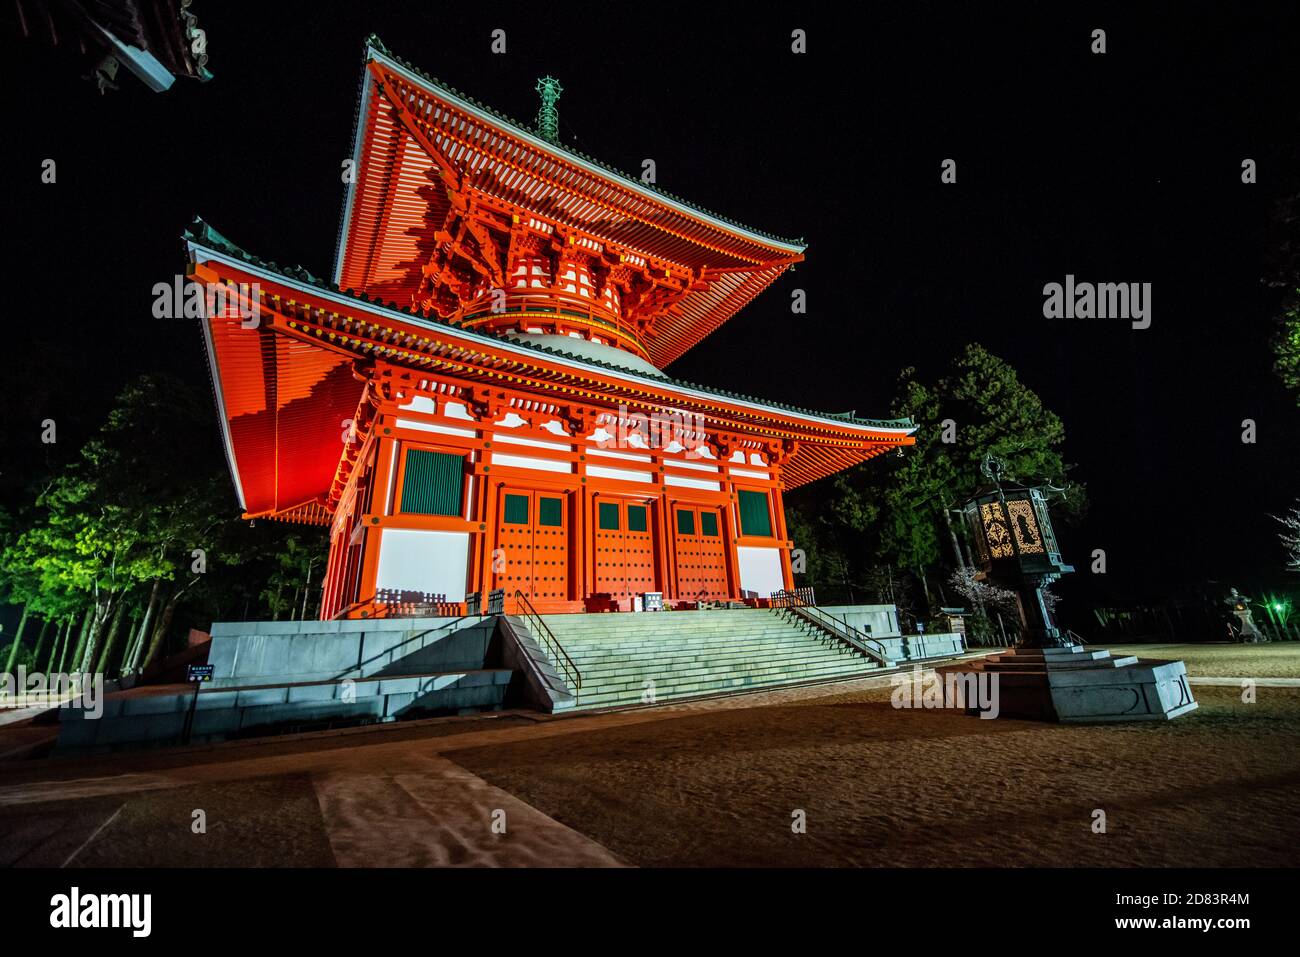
[(696, 653)]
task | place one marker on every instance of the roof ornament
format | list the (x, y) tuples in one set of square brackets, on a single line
[(993, 468), (548, 117)]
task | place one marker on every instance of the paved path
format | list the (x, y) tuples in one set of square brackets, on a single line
[(1237, 682), (430, 812), (398, 804)]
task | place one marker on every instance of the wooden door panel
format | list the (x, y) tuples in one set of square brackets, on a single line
[(700, 553), (513, 565), (623, 544), (550, 547)]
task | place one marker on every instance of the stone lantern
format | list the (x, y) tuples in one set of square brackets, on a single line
[(1016, 548), (1048, 676)]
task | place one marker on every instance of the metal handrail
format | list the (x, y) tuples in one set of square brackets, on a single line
[(547, 637), (839, 627)]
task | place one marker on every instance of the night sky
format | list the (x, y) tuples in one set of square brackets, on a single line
[(1123, 167)]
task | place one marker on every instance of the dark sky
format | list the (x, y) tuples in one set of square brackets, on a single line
[(1123, 167)]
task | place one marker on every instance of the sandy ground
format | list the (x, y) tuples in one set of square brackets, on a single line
[(887, 787), (707, 783), (1272, 660), (388, 800)]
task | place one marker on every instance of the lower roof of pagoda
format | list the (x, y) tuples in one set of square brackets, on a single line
[(288, 388)]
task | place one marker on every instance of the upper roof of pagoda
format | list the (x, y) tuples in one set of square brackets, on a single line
[(422, 149)]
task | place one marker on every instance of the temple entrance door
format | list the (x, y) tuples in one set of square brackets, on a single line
[(533, 538), (623, 540), (700, 553)]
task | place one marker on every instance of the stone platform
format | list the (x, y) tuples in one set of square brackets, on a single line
[(270, 676), (1078, 684)]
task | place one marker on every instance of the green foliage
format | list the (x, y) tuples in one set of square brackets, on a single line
[(1282, 271), (1286, 343), (890, 512), (294, 564), (139, 505), (1291, 537)]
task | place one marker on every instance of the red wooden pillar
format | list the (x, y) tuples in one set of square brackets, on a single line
[(581, 534), (778, 513), (385, 470)]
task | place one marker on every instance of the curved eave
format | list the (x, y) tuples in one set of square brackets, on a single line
[(388, 208), (284, 397), (377, 53), (529, 352)]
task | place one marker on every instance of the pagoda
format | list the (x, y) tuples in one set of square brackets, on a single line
[(475, 400)]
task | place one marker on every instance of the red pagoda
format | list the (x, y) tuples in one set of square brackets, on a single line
[(475, 400)]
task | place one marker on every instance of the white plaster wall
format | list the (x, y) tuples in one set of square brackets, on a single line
[(422, 560), (760, 570)]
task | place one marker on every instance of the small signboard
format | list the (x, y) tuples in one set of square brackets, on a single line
[(201, 673), (956, 619), (653, 601)]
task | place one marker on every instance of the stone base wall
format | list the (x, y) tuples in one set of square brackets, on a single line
[(275, 652), (882, 620), (917, 647)]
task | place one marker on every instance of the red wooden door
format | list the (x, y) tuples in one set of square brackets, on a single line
[(699, 552), (533, 545), (624, 554)]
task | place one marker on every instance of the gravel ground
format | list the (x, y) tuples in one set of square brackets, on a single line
[(1274, 660), (703, 784), (887, 787)]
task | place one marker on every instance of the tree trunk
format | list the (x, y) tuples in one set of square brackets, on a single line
[(40, 643), (65, 661), (138, 646), (18, 640), (132, 629), (952, 533), (111, 640), (164, 622), (306, 591), (104, 607), (60, 642)]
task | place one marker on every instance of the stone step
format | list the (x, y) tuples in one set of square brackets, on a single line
[(611, 671), (728, 654), (725, 648), (633, 621), (674, 637), (592, 670), (781, 672), (632, 695), (667, 624), (669, 633), (695, 654), (578, 649)]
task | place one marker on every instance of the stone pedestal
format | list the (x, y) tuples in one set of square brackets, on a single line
[(1077, 684)]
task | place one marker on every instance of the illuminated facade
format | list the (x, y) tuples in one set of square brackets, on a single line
[(476, 400)]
